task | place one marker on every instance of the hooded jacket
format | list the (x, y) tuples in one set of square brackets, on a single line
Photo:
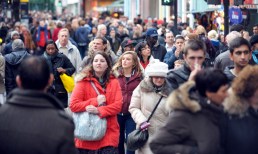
[(239, 126), (192, 127), (229, 74), (13, 61)]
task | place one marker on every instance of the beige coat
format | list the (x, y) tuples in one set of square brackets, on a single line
[(143, 101)]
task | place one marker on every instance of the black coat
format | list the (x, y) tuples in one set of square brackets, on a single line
[(33, 122), (158, 52)]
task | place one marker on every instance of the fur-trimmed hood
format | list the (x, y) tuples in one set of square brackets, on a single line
[(147, 86), (235, 104), (180, 98)]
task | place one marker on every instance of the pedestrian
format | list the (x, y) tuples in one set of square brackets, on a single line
[(58, 64), (144, 54), (2, 76), (254, 47), (239, 127), (8, 47), (144, 99), (36, 121), (85, 99), (12, 62), (196, 108), (129, 74)]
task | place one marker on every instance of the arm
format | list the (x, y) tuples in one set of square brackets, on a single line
[(10, 83), (114, 101), (68, 66), (169, 138), (135, 107), (2, 67)]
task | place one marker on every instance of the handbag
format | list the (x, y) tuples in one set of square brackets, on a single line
[(88, 126), (68, 82), (137, 138)]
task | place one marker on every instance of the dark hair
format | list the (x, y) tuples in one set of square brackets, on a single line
[(194, 45), (104, 40), (51, 42), (210, 79), (108, 60), (34, 73), (237, 42), (179, 37), (237, 27), (138, 50)]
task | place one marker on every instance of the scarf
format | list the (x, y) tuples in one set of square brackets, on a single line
[(45, 32), (50, 59), (255, 54)]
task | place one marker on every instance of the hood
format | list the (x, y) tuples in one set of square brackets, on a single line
[(235, 104), (179, 99), (228, 73), (182, 72), (147, 86), (16, 57)]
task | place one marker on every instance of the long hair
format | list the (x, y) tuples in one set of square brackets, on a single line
[(138, 50), (136, 65)]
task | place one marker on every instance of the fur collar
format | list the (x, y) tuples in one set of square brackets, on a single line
[(147, 86), (179, 99), (235, 104)]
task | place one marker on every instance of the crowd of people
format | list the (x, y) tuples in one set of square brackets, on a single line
[(206, 83)]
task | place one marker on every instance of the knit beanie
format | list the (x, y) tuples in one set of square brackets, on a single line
[(17, 44), (159, 69), (13, 33)]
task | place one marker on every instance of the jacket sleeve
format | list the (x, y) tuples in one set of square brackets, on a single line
[(78, 102), (2, 67), (169, 59), (78, 60), (115, 106), (70, 69), (135, 107), (171, 80), (168, 139), (10, 83)]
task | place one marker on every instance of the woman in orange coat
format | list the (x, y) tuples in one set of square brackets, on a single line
[(84, 98)]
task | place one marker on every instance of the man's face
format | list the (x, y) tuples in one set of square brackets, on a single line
[(241, 56), (179, 44), (169, 38), (16, 36), (98, 45), (63, 38), (194, 58), (255, 47), (219, 96), (255, 30), (152, 40)]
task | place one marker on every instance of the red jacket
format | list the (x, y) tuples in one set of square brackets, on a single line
[(55, 34), (84, 95)]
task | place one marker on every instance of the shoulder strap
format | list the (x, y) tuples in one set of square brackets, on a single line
[(94, 87), (154, 109)]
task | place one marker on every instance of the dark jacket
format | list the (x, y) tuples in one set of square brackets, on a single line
[(60, 60), (7, 48), (13, 61), (81, 36), (229, 74), (239, 127), (158, 52), (178, 76), (127, 88), (192, 127), (34, 122)]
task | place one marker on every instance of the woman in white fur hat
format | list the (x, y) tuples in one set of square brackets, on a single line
[(145, 98)]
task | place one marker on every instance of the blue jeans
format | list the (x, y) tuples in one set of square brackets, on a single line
[(127, 125)]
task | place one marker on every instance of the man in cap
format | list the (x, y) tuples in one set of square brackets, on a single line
[(158, 51), (8, 47), (126, 45), (12, 62)]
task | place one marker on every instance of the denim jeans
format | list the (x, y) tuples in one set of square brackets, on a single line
[(127, 125)]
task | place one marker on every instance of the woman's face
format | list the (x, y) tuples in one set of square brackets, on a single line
[(51, 49), (158, 81), (99, 64), (127, 61), (146, 52)]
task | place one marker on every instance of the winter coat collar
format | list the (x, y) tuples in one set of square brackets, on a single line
[(147, 86), (235, 105), (33, 98)]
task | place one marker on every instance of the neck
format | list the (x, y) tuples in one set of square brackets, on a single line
[(254, 106), (145, 59), (170, 45), (236, 70), (99, 75), (127, 72)]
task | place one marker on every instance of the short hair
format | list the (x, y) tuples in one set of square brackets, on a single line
[(237, 42), (194, 45), (138, 50), (210, 79), (64, 30), (179, 37), (231, 36), (34, 73), (237, 27), (104, 40), (245, 85)]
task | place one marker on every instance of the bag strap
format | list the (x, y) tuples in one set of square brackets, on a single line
[(94, 87), (154, 109)]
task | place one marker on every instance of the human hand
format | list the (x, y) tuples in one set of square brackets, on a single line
[(60, 70), (177, 52), (193, 73), (144, 125), (92, 109), (101, 99)]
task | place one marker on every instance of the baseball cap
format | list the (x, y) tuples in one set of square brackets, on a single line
[(151, 32)]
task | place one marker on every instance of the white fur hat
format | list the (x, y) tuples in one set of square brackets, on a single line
[(157, 69)]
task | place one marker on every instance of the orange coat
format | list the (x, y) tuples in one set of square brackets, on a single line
[(84, 95)]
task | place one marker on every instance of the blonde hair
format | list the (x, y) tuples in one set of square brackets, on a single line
[(200, 30), (213, 35), (64, 30)]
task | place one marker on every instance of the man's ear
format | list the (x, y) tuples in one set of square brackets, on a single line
[(18, 81)]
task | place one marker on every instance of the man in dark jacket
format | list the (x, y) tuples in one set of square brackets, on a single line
[(240, 54), (8, 47), (12, 62), (158, 51), (81, 38), (194, 56), (33, 121)]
